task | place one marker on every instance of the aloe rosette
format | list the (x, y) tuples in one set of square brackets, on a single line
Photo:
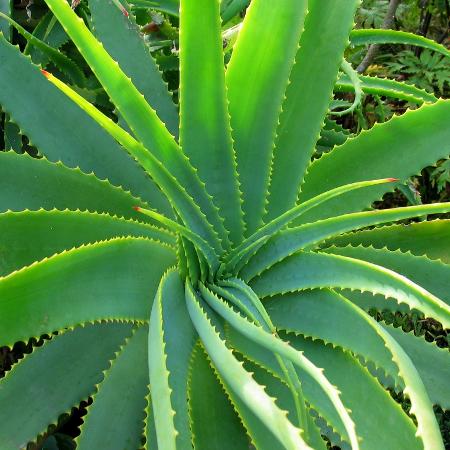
[(196, 274)]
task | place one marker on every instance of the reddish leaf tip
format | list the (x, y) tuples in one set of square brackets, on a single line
[(45, 73), (393, 180), (124, 12), (136, 208)]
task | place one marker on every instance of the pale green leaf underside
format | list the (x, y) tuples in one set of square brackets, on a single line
[(170, 346)]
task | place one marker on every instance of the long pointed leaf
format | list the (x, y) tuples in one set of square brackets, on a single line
[(106, 280), (56, 186), (240, 381), (306, 270), (269, 29), (21, 81), (123, 41), (206, 394), (398, 148), (307, 99), (381, 343), (170, 345), (205, 133), (309, 235), (267, 340), (141, 118), (36, 392), (116, 418), (189, 212), (386, 88), (377, 36), (424, 238), (30, 236), (434, 276), (284, 219)]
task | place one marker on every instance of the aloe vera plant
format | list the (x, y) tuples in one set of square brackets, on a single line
[(195, 273)]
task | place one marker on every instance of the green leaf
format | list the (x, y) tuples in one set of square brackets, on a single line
[(184, 205), (36, 392), (138, 114), (11, 135), (240, 381), (61, 61), (199, 243), (30, 236), (122, 39), (21, 81), (377, 36), (192, 259), (352, 75), (434, 276), (205, 134), (309, 235), (286, 218), (6, 7), (50, 31), (116, 418), (307, 270), (279, 391), (171, 342), (270, 342), (237, 293), (424, 238), (362, 393), (432, 363), (167, 6), (398, 148), (309, 313), (220, 428), (380, 346), (150, 431), (106, 280), (56, 186), (307, 99), (232, 7), (256, 83), (386, 88)]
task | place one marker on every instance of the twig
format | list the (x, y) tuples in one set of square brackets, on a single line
[(388, 23)]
